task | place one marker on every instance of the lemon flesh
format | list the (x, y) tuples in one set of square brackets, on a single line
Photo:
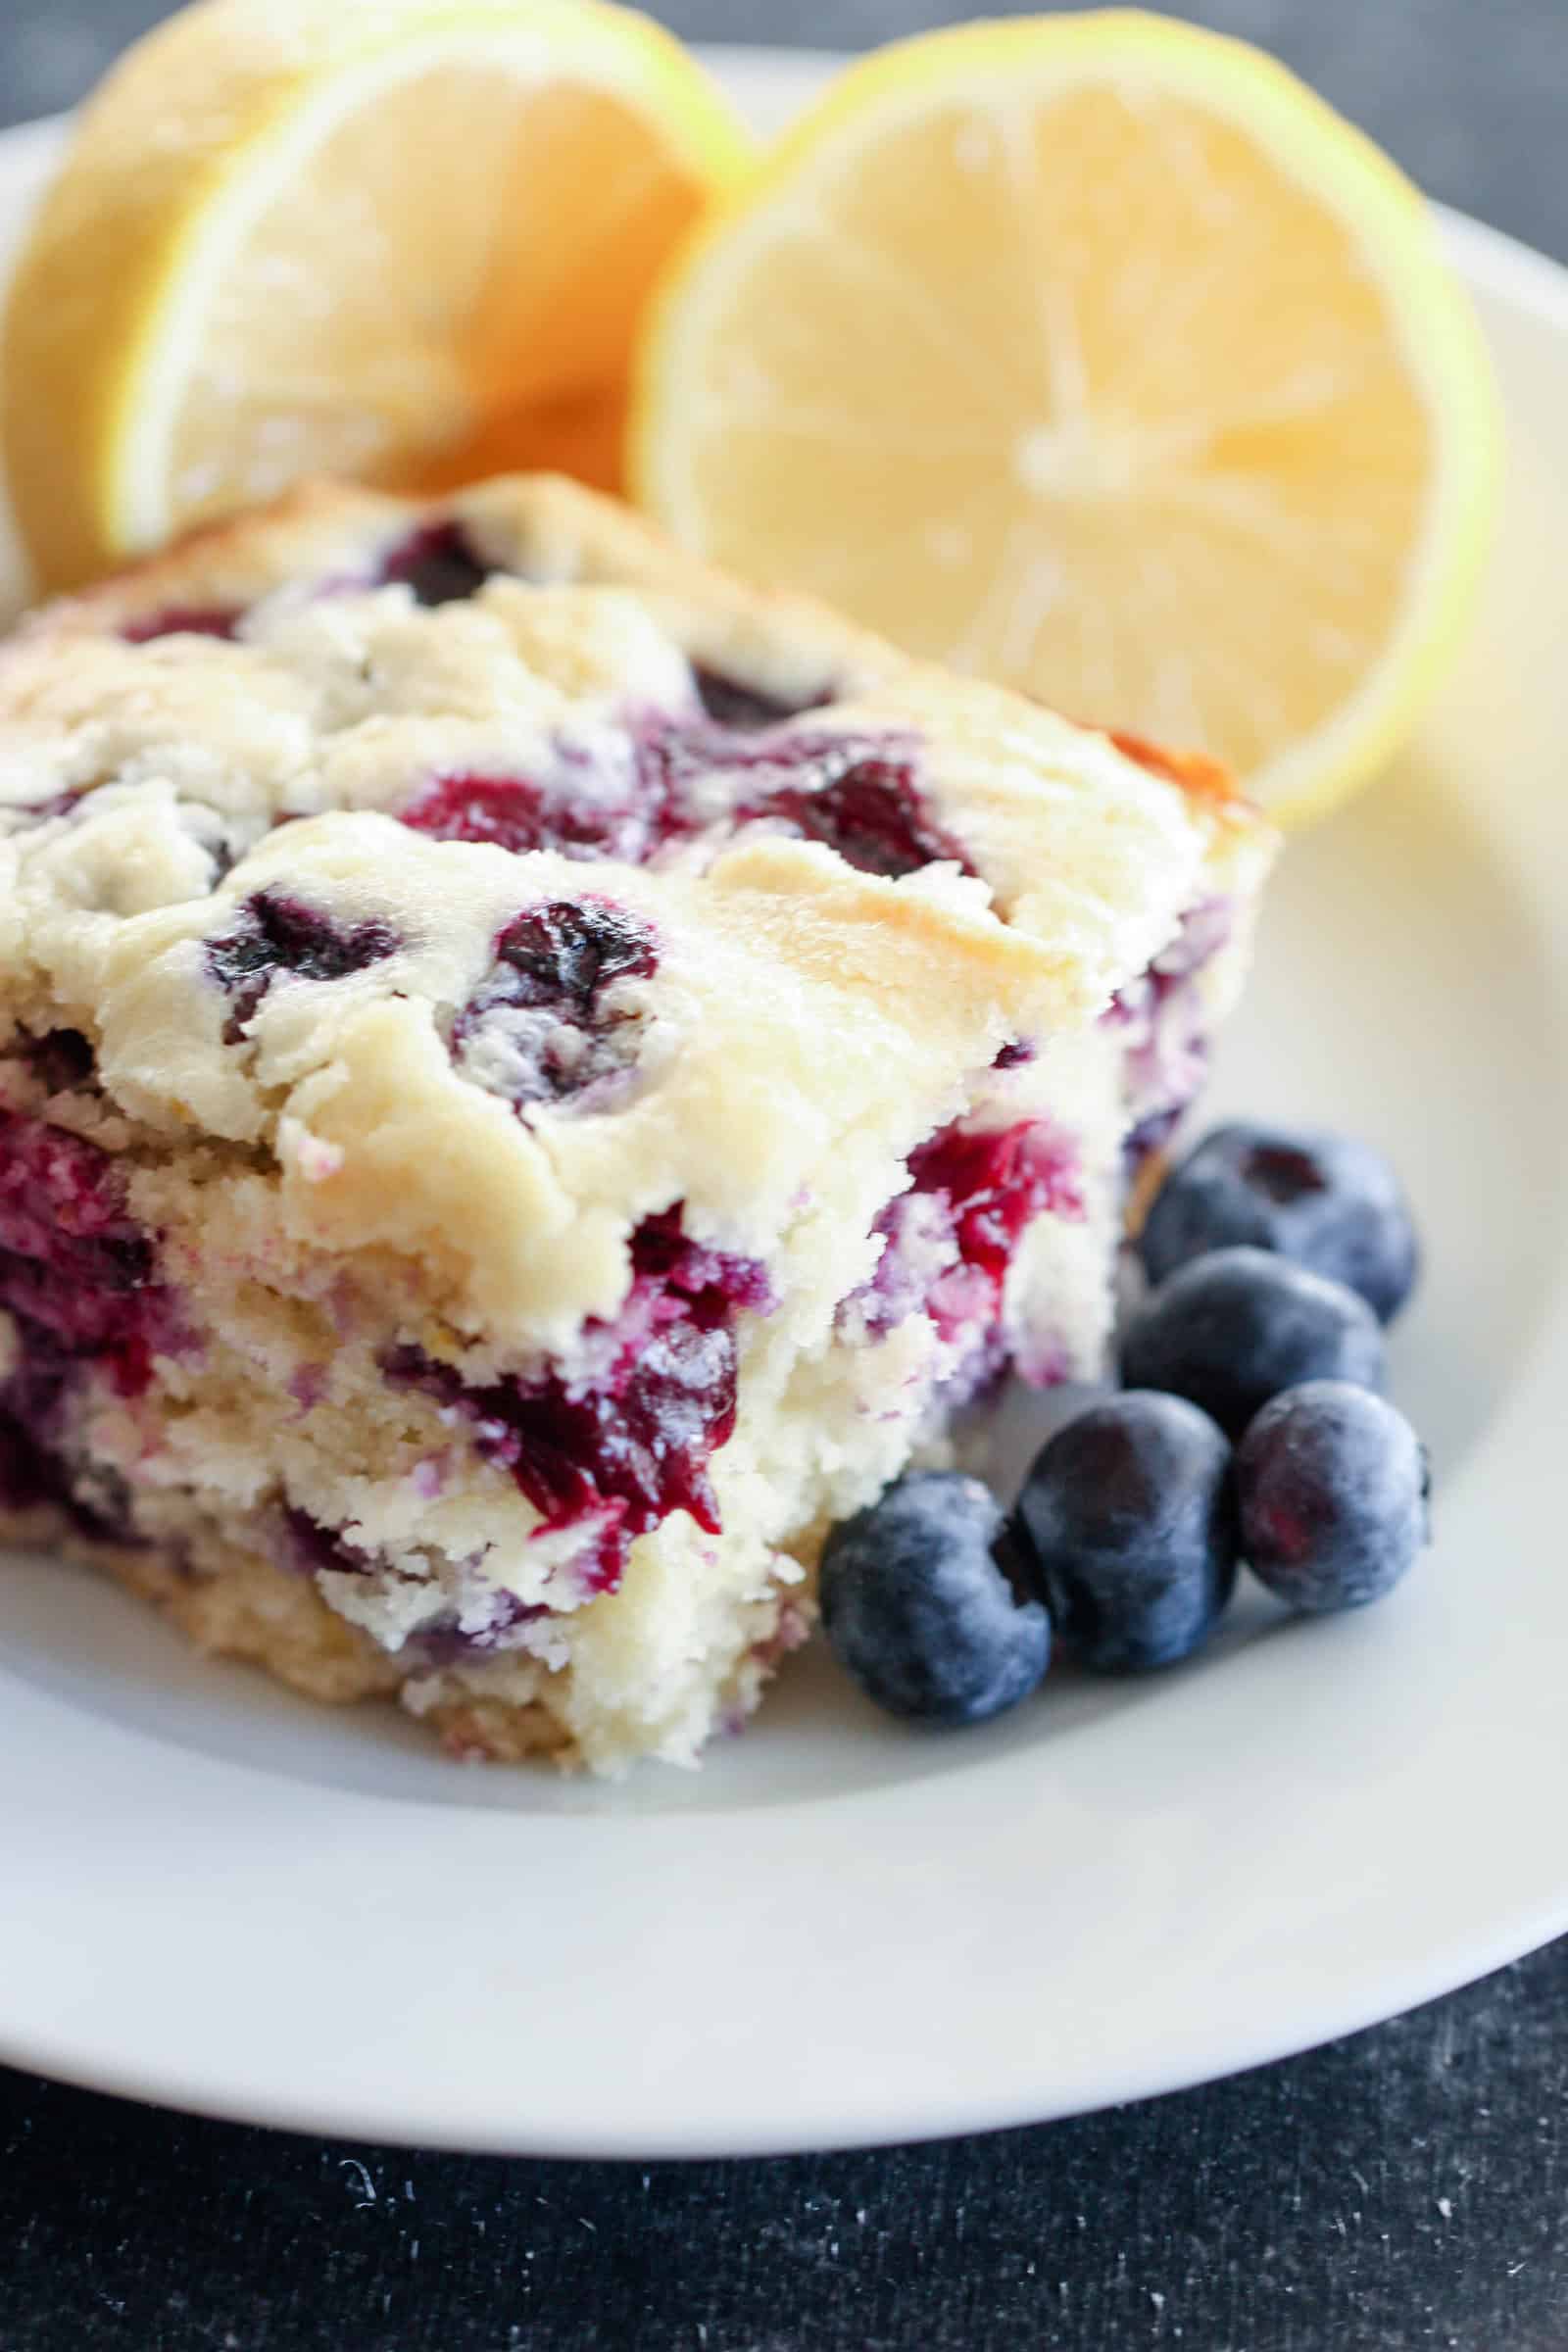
[(1097, 355)]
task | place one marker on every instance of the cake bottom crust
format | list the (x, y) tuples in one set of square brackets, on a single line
[(242, 1605)]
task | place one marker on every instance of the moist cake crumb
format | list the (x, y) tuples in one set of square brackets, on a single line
[(534, 1079)]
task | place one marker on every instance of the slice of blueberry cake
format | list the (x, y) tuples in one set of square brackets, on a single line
[(532, 1079)]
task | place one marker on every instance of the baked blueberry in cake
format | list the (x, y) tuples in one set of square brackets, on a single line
[(533, 1079)]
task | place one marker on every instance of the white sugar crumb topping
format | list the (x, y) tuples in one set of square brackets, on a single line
[(362, 774), (333, 692)]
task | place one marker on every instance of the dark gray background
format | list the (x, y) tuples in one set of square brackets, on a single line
[(1404, 2189), (1471, 95)]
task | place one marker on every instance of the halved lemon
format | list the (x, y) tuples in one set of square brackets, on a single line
[(1098, 354), (403, 239)]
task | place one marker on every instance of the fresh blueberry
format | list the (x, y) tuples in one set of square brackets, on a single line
[(1332, 1485), (917, 1609), (1129, 1524), (1327, 1202), (1231, 1330)]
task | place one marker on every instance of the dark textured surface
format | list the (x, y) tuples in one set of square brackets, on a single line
[(1401, 2189)]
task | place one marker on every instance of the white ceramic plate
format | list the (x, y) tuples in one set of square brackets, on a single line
[(219, 1897)]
